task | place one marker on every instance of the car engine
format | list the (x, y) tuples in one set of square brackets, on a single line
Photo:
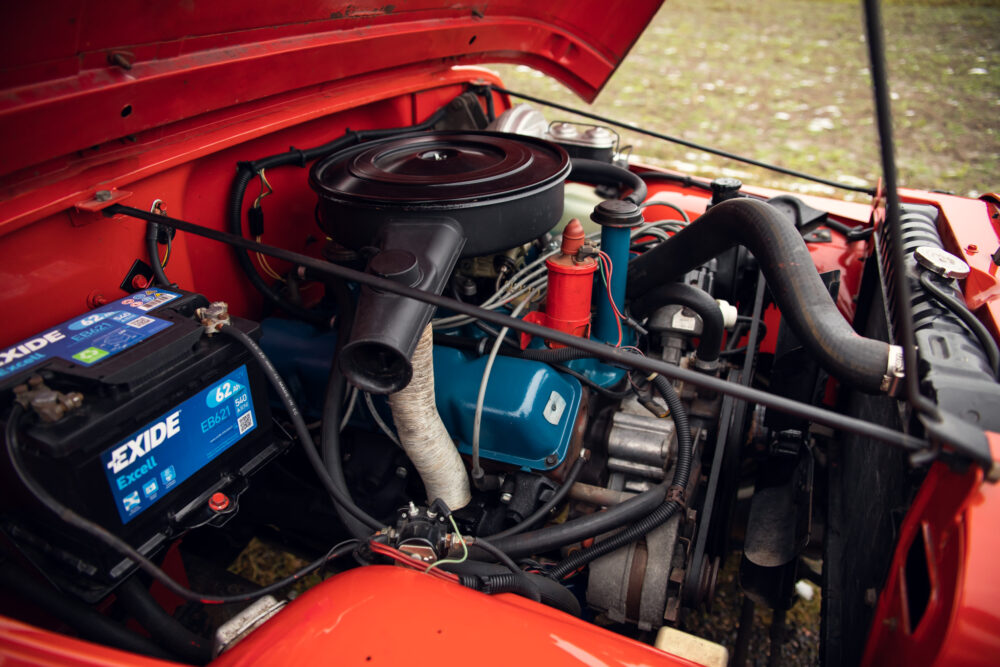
[(572, 410)]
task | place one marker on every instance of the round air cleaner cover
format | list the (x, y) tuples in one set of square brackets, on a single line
[(502, 189)]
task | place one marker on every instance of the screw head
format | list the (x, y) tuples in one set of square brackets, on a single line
[(972, 248), (551, 460), (505, 497), (102, 195), (401, 472)]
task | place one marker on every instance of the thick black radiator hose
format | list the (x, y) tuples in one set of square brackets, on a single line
[(791, 276)]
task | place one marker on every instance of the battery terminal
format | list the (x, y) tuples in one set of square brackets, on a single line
[(49, 404), (214, 317)]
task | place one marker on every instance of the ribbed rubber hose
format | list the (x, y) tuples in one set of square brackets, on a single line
[(659, 516), (556, 356), (791, 276), (163, 628), (697, 300), (595, 172), (557, 596)]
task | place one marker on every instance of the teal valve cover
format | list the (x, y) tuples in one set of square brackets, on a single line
[(528, 414)]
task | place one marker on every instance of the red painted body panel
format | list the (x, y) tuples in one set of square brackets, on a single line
[(958, 517), (395, 616), (56, 58), (22, 644), (294, 78)]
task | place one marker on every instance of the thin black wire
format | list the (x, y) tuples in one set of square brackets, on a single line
[(685, 142), (892, 223), (601, 350), (125, 549), (962, 312)]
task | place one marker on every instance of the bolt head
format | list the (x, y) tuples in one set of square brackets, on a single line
[(102, 195), (401, 472), (505, 497)]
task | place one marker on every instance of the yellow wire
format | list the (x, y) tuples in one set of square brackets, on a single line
[(267, 267)]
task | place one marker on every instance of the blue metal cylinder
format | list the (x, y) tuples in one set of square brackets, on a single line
[(615, 243)]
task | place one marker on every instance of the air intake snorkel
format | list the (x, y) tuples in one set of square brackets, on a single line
[(418, 203)]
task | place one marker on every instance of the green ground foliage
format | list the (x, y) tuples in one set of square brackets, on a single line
[(788, 83)]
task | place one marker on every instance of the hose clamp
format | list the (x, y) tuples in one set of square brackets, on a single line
[(894, 372)]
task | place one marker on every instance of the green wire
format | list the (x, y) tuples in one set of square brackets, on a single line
[(452, 561)]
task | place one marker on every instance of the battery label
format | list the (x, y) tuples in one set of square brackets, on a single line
[(99, 334), (156, 459)]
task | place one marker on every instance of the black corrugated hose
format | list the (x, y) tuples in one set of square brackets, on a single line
[(472, 573), (661, 514)]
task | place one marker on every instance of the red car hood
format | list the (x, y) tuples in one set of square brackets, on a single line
[(76, 73)]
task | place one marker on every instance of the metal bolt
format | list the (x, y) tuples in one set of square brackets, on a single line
[(102, 195), (140, 282), (871, 597), (401, 472), (505, 497), (413, 509), (972, 248), (551, 460)]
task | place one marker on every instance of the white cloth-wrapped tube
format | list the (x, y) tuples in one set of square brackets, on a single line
[(422, 434)]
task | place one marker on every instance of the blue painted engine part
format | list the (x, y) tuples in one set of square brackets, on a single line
[(528, 414)]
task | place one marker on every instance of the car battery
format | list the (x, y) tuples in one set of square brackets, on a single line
[(170, 425)]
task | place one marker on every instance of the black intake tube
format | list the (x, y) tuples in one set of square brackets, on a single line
[(418, 253), (697, 300), (596, 172), (791, 276)]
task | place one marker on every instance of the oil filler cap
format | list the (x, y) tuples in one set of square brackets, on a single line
[(617, 213), (941, 262)]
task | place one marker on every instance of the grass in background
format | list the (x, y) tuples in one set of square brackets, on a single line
[(788, 83)]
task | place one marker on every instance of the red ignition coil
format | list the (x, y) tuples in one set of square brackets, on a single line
[(570, 284)]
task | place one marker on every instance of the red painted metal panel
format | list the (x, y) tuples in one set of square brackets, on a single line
[(22, 644), (954, 518), (183, 63), (394, 616)]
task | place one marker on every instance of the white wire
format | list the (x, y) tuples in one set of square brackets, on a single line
[(350, 408), (378, 419), (478, 420)]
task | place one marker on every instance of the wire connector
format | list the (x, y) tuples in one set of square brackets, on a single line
[(214, 317)]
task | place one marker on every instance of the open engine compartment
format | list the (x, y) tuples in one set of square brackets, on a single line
[(500, 460)]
